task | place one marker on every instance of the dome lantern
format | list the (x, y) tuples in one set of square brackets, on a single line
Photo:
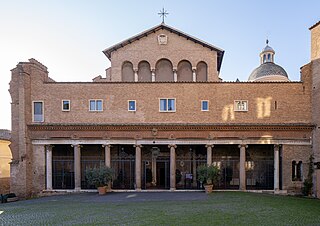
[(267, 54)]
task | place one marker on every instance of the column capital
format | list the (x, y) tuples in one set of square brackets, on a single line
[(153, 70), (276, 147), (76, 145), (137, 146), (209, 145), (194, 68), (172, 146), (242, 146), (48, 147), (174, 68), (106, 145), (135, 69)]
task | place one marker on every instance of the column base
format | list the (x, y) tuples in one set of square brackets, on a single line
[(276, 191), (138, 189), (172, 189), (77, 189)]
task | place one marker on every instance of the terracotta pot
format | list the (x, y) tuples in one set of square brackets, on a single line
[(208, 188), (102, 190)]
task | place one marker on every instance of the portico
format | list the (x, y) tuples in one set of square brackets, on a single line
[(164, 164)]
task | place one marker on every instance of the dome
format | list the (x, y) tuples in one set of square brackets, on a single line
[(267, 49), (269, 71)]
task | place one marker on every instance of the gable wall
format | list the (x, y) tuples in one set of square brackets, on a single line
[(178, 48)]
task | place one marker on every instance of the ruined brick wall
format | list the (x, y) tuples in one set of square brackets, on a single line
[(26, 77)]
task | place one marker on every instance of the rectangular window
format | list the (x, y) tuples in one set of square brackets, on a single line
[(296, 171), (95, 105), (167, 105), (204, 105), (38, 111), (131, 105), (240, 105), (65, 105)]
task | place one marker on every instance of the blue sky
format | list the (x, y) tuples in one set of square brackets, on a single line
[(69, 36)]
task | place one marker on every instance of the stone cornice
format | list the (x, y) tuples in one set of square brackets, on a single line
[(171, 127)]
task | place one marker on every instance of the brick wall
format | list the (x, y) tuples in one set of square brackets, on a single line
[(315, 41), (294, 153), (178, 48), (268, 102)]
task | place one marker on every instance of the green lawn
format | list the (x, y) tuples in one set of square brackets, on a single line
[(220, 208)]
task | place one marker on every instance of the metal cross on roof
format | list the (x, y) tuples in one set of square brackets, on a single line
[(163, 13)]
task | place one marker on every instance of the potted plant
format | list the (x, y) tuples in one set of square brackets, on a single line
[(208, 176), (99, 177)]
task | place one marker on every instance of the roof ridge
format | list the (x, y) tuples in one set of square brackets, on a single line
[(313, 26)]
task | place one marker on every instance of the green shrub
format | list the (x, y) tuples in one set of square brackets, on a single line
[(208, 174), (99, 177), (307, 184)]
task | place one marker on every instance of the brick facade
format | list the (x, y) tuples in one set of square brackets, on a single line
[(278, 112)]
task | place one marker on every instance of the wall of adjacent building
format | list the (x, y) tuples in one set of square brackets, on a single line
[(5, 159), (314, 68)]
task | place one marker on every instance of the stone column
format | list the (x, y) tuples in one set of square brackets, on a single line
[(153, 75), (194, 75), (194, 172), (77, 166), (138, 167), (154, 167), (317, 181), (175, 76), (49, 166), (107, 155), (209, 154), (172, 166), (242, 166), (136, 78), (276, 167)]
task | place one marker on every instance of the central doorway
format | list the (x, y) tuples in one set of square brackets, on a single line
[(163, 173), (156, 167)]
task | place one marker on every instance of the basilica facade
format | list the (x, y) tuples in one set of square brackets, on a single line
[(160, 111)]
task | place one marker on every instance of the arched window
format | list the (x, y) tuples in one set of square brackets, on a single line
[(269, 57), (164, 70), (202, 70), (127, 72), (184, 71), (144, 72), (264, 58)]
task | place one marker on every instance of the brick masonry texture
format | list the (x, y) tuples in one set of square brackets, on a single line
[(269, 103), (177, 49)]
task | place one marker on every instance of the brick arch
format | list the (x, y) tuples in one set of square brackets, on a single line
[(184, 71), (127, 73), (202, 71), (144, 71), (164, 70)]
